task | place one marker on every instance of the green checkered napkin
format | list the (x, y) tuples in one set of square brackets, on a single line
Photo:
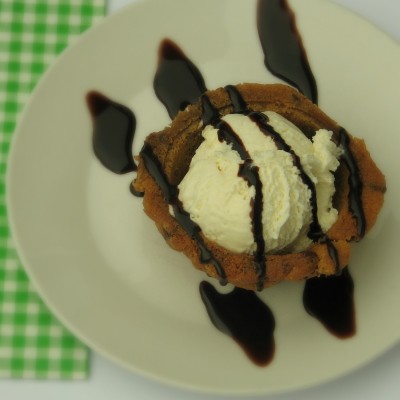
[(33, 344)]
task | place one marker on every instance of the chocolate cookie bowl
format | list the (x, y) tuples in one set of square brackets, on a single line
[(165, 159)]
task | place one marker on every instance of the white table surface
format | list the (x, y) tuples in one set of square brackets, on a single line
[(378, 380)]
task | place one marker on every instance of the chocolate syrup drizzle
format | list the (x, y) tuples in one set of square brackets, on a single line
[(240, 107), (250, 173), (315, 231), (177, 83)]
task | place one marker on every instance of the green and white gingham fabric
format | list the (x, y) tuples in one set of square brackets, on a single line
[(33, 344)]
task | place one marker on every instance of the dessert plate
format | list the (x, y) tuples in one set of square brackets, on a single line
[(99, 262)]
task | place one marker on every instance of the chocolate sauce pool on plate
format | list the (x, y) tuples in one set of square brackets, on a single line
[(113, 131), (330, 300), (284, 53), (243, 316), (178, 82)]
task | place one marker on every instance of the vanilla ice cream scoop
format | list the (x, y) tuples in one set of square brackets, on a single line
[(222, 202)]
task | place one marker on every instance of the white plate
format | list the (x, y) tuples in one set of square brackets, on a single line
[(99, 262)]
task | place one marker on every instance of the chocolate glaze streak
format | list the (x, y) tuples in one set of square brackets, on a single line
[(284, 53), (240, 106), (356, 186), (243, 316), (170, 193), (153, 166), (113, 131), (250, 174), (330, 300), (177, 82), (315, 231), (228, 135)]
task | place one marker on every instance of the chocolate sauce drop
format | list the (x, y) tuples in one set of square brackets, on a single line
[(178, 82), (243, 316), (330, 300), (135, 192), (284, 53), (113, 131)]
